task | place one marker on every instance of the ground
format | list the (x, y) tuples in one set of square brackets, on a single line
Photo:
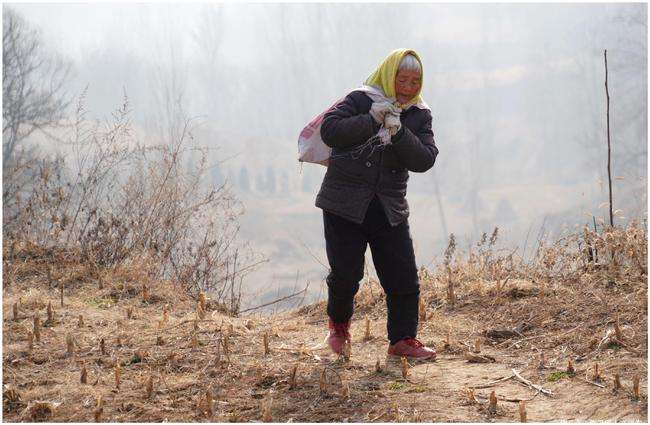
[(182, 360)]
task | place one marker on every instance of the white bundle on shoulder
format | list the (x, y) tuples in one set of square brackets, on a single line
[(311, 147)]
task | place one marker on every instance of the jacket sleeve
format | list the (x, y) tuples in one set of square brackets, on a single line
[(345, 125), (416, 150)]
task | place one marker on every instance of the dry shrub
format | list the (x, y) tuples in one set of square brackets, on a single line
[(594, 301), (485, 269), (112, 200)]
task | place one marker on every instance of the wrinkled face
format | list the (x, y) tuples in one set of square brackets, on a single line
[(407, 85)]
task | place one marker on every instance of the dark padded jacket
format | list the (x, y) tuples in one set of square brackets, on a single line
[(350, 184)]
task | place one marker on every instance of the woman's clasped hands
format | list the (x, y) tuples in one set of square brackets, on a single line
[(387, 114)]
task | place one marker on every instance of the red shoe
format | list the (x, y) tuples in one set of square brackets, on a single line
[(412, 349), (339, 334)]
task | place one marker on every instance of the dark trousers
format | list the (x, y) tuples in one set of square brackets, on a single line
[(394, 260)]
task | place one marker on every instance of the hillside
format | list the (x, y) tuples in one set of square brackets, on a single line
[(178, 362)]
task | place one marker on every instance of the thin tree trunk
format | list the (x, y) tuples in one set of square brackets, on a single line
[(441, 212), (609, 150)]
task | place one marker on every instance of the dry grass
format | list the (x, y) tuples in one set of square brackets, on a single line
[(168, 363)]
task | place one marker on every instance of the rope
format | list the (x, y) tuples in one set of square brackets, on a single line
[(358, 150)]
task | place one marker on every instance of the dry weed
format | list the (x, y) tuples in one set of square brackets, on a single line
[(149, 387), (84, 375), (292, 376), (492, 408), (522, 412), (69, 343), (404, 367), (267, 350), (37, 328), (267, 404), (50, 312)]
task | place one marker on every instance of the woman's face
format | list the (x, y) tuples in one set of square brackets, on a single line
[(407, 85)]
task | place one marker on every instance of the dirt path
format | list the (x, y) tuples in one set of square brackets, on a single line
[(437, 391)]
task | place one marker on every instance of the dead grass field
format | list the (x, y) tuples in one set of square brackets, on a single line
[(178, 361)]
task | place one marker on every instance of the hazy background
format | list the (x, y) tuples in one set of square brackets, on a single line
[(517, 95)]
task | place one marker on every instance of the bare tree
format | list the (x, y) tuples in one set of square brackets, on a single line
[(33, 82)]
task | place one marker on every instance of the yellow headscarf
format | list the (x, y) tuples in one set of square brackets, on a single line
[(384, 76)]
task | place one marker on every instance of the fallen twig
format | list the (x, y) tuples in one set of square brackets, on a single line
[(276, 301), (531, 385), (493, 383), (605, 338), (624, 345), (593, 383), (510, 400), (475, 358)]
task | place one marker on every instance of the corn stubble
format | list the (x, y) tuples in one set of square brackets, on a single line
[(208, 402), (322, 381), (200, 312), (523, 417), (292, 376), (30, 341), (267, 350), (597, 375), (37, 328), (145, 293), (346, 351), (202, 300), (149, 387), (569, 368), (617, 329), (423, 310), (449, 253), (50, 312), (69, 342), (477, 345), (617, 382), (367, 336), (84, 375), (404, 367), (492, 408), (99, 409), (267, 404), (117, 374), (471, 396)]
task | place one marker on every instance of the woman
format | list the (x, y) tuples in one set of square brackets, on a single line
[(363, 199)]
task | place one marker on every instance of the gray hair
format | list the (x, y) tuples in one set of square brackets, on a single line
[(410, 63)]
